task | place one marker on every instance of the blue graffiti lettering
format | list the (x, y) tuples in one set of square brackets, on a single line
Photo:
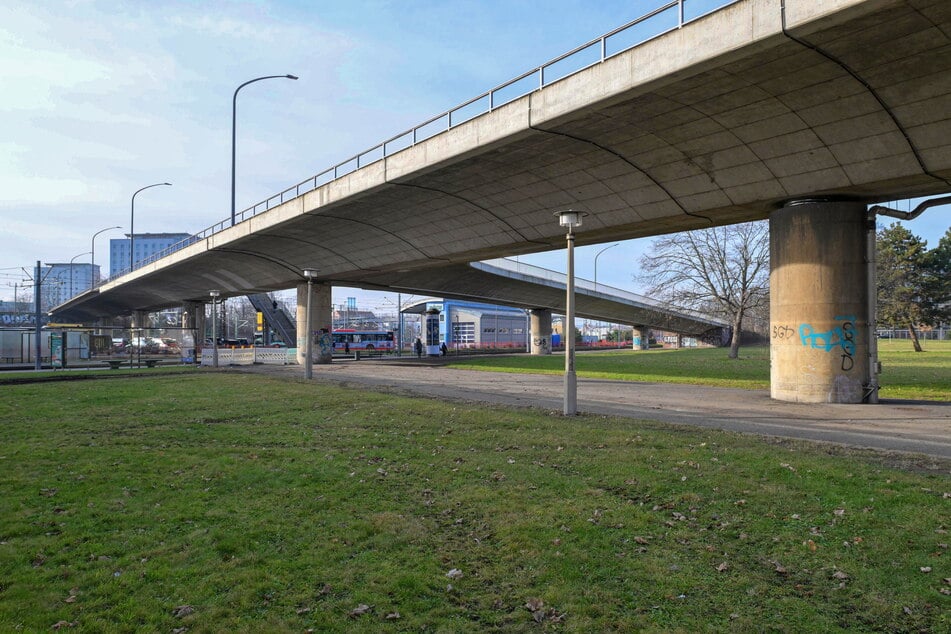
[(839, 337)]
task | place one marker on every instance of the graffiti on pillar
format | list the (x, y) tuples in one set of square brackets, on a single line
[(541, 343), (325, 344), (841, 337), (783, 332)]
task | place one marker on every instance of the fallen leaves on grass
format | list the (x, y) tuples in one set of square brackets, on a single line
[(455, 573), (540, 614), (360, 610), (182, 611)]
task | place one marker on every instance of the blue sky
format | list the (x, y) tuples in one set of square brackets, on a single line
[(99, 99)]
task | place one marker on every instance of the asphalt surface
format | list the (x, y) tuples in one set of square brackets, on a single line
[(922, 427)]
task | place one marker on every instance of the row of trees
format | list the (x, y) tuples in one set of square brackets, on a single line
[(914, 283), (724, 272)]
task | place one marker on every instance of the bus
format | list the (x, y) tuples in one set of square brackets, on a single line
[(347, 339)]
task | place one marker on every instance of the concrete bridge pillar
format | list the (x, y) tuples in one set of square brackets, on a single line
[(140, 319), (193, 333), (540, 327), (819, 321), (641, 338), (321, 326)]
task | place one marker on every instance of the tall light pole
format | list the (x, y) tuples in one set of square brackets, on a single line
[(596, 264), (234, 126), (310, 274), (570, 219), (71, 271), (214, 326), (596, 275), (132, 224), (93, 252)]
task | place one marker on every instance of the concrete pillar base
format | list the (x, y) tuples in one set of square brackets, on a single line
[(819, 318), (540, 325), (193, 335), (321, 322), (641, 338)]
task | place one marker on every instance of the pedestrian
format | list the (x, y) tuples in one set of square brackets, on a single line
[(418, 347), (346, 347), (444, 349)]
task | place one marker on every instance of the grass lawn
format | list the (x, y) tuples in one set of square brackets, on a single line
[(225, 502), (905, 374)]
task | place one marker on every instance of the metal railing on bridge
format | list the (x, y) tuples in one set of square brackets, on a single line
[(666, 16)]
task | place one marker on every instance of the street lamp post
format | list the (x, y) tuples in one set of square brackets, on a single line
[(310, 274), (234, 117), (596, 277), (71, 271), (93, 252), (132, 224), (596, 264), (214, 326), (570, 219)]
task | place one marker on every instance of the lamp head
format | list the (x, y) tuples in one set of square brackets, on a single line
[(310, 273), (291, 76), (214, 294), (570, 218)]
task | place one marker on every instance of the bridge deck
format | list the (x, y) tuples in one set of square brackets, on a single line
[(716, 122)]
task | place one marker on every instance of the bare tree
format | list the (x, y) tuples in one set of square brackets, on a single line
[(722, 270)]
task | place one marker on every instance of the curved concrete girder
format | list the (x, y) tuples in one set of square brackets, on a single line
[(378, 229), (310, 244), (495, 217), (603, 146)]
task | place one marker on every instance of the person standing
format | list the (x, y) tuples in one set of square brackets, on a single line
[(418, 347)]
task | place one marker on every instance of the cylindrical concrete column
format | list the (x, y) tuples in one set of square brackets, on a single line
[(818, 302), (140, 319), (640, 338), (321, 327), (193, 331), (540, 325)]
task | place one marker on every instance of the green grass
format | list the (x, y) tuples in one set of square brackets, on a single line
[(283, 506), (906, 374)]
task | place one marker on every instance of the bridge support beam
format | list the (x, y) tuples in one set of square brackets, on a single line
[(193, 335), (819, 314), (140, 319), (540, 329), (640, 338), (321, 326)]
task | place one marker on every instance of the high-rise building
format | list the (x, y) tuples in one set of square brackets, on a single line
[(62, 281), (146, 245)]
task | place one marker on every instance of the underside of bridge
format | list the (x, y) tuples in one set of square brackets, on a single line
[(730, 118)]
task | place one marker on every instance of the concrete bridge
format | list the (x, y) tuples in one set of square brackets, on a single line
[(799, 111)]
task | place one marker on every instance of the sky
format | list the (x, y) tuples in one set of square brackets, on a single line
[(99, 99)]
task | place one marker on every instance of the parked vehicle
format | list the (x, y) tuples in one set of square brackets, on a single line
[(346, 339)]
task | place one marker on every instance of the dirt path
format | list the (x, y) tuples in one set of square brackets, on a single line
[(906, 426)]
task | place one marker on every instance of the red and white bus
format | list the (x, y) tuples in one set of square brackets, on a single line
[(347, 339)]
